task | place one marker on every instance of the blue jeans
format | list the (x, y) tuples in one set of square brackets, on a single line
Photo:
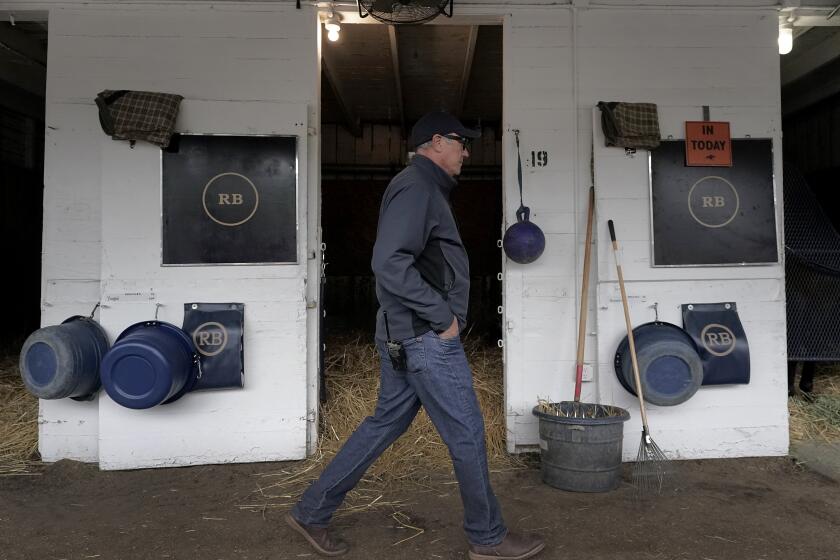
[(438, 377)]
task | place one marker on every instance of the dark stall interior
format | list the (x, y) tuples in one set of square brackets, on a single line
[(810, 77), (810, 84), (376, 82), (23, 60), (812, 145)]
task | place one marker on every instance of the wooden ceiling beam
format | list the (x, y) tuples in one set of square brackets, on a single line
[(23, 60), (350, 118), (818, 85), (21, 101), (813, 49), (22, 45), (395, 62), (28, 77), (468, 62)]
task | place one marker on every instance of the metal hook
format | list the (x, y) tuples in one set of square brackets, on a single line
[(656, 310), (95, 307), (157, 308)]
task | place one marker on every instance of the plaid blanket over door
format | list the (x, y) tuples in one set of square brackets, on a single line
[(630, 125), (138, 115)]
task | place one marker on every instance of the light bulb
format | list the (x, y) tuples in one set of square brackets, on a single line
[(785, 39), (332, 23)]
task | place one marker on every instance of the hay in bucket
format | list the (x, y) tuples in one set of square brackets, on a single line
[(573, 409), (419, 456), (18, 421)]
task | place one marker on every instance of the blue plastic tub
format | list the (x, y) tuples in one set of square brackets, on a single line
[(62, 361), (151, 363)]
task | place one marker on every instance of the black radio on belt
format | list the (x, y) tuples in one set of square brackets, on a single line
[(395, 349)]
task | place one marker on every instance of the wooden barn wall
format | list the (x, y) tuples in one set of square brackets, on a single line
[(242, 69), (383, 146), (350, 210), (683, 61), (355, 173), (558, 65), (540, 298), (233, 61)]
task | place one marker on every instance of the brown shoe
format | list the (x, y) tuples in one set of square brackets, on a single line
[(512, 547), (319, 537)]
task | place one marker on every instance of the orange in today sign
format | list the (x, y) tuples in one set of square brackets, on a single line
[(707, 144)]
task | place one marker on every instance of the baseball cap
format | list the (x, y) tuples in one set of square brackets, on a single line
[(439, 122)]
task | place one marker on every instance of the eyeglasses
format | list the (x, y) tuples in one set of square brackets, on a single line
[(465, 142)]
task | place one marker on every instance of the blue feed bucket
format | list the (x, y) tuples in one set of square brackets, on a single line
[(670, 367), (151, 363), (63, 360)]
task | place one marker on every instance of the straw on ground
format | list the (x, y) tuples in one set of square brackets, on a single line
[(419, 456), (18, 421), (818, 420), (352, 367)]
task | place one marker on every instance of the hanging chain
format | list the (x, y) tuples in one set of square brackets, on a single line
[(518, 166)]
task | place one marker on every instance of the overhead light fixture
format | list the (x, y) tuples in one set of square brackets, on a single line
[(785, 38), (332, 23)]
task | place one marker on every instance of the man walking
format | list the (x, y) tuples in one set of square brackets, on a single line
[(422, 284)]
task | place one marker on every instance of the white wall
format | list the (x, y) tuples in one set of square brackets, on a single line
[(253, 67), (71, 254), (540, 299), (244, 69), (731, 65), (680, 60)]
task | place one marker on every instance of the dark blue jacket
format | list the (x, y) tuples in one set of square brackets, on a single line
[(421, 267)]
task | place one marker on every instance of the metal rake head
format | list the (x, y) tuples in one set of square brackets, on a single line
[(651, 468)]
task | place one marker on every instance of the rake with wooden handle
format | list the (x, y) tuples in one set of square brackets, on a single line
[(651, 464), (584, 302)]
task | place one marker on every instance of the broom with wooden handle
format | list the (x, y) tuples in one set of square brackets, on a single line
[(650, 468)]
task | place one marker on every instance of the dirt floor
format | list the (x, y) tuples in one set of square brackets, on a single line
[(721, 509), (739, 509)]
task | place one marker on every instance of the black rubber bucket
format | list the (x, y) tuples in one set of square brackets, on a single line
[(670, 368), (581, 454), (63, 360)]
